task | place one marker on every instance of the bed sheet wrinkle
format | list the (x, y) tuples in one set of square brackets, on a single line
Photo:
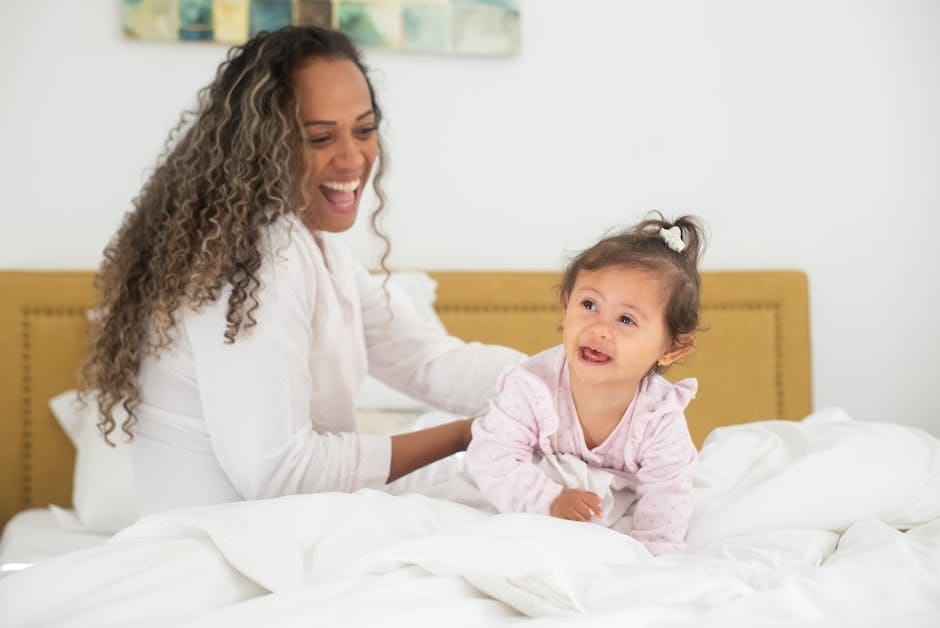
[(407, 597), (828, 473), (370, 554), (776, 548), (36, 534), (877, 576), (145, 581), (545, 567), (285, 542)]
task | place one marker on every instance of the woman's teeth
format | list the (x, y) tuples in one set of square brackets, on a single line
[(341, 186)]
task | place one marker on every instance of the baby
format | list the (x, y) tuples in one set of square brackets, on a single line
[(586, 429)]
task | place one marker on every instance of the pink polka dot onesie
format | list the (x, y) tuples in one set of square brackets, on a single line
[(530, 446)]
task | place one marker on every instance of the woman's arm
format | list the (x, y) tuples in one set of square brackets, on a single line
[(278, 402), (413, 450), (417, 357)]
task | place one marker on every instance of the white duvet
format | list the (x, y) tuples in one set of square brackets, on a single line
[(795, 524)]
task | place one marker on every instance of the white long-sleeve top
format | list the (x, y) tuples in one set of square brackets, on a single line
[(273, 413)]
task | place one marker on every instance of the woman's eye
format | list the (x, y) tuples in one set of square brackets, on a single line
[(626, 320), (320, 140), (589, 305), (366, 132)]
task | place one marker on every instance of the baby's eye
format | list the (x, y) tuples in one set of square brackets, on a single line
[(589, 305), (626, 320)]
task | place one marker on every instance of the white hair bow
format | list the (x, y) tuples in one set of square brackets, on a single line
[(673, 238)]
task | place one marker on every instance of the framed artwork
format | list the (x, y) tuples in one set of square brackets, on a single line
[(472, 27)]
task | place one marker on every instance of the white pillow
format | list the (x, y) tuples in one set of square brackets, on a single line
[(825, 472), (419, 290), (374, 395), (103, 481)]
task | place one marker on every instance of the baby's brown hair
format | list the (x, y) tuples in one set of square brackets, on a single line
[(670, 249)]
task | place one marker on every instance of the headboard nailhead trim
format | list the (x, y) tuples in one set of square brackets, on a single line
[(26, 394), (460, 307), (774, 307)]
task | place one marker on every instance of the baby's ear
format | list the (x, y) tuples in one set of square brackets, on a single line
[(683, 346), (563, 301)]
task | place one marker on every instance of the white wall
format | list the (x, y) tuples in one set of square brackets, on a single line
[(806, 133)]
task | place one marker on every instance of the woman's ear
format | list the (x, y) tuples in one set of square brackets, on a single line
[(683, 346)]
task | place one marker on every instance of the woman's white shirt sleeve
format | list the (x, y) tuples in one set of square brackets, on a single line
[(417, 357), (277, 404)]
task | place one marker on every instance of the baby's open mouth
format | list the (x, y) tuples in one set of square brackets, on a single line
[(594, 356)]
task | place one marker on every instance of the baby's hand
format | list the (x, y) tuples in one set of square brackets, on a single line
[(576, 505)]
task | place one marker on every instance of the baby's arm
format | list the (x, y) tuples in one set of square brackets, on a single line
[(664, 486), (500, 457)]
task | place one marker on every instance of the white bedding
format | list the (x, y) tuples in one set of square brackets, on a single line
[(40, 533), (796, 524)]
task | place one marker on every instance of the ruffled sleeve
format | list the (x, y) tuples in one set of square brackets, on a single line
[(502, 457), (666, 458)]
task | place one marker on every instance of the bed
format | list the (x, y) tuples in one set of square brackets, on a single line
[(793, 507)]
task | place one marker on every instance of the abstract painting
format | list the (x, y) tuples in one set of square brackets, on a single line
[(471, 27)]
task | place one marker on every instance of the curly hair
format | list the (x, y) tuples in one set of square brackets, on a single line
[(229, 168), (642, 246)]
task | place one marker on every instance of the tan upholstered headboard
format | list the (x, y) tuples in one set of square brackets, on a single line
[(43, 329), (753, 362)]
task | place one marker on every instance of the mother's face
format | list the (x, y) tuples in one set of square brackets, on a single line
[(340, 140)]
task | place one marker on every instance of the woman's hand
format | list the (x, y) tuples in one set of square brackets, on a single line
[(413, 450), (576, 505), (466, 434)]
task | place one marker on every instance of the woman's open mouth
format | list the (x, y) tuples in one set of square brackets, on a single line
[(341, 195)]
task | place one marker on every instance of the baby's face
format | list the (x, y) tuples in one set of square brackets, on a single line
[(615, 327)]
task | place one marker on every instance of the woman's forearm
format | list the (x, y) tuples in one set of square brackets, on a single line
[(413, 450)]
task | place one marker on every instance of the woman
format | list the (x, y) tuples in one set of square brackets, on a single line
[(235, 329)]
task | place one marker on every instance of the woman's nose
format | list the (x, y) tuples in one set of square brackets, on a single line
[(348, 154)]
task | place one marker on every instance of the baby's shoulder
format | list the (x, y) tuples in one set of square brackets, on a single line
[(660, 415), (661, 396), (541, 371), (537, 378)]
